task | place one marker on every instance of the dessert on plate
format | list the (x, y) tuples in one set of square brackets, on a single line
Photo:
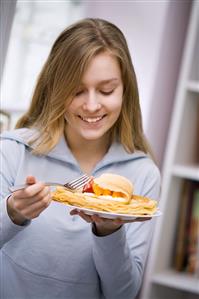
[(108, 193)]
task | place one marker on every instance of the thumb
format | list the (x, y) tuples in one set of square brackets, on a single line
[(30, 180)]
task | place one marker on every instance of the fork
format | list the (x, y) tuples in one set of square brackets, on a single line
[(72, 185)]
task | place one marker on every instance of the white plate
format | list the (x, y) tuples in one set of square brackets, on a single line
[(109, 215)]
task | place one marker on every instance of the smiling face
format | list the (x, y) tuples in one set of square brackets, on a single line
[(98, 101)]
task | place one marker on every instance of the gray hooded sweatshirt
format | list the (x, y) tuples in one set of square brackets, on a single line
[(57, 255)]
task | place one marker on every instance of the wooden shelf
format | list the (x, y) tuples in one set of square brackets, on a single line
[(177, 280), (186, 171), (181, 163), (193, 86)]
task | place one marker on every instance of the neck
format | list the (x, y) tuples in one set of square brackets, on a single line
[(88, 152)]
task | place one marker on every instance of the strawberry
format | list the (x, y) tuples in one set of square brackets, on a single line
[(88, 187)]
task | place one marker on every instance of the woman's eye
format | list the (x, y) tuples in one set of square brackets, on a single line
[(106, 93), (78, 93)]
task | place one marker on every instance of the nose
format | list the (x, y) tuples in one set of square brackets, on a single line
[(92, 102)]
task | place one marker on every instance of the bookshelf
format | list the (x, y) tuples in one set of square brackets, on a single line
[(162, 280)]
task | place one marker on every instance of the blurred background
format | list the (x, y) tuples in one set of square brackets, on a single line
[(155, 31), (163, 39)]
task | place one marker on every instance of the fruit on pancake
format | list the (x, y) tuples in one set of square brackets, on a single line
[(110, 185)]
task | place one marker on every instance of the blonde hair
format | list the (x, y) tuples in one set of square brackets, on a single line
[(61, 76)]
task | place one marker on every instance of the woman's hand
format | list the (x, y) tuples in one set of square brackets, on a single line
[(28, 203), (105, 226)]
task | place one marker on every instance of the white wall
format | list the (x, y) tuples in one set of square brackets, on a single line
[(155, 33), (142, 25), (7, 10), (166, 75)]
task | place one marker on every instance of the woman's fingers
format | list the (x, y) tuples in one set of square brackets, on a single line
[(30, 180), (98, 219), (29, 191), (138, 219), (87, 218), (105, 226), (33, 210), (29, 197), (31, 201), (84, 216)]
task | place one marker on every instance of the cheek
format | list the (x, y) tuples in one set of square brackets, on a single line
[(70, 113), (72, 108), (116, 109), (115, 104)]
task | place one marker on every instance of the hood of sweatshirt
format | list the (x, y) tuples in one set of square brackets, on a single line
[(62, 152)]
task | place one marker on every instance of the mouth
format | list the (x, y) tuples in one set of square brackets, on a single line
[(92, 120)]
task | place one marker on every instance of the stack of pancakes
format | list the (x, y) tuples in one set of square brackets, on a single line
[(110, 193)]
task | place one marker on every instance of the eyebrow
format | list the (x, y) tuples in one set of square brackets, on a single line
[(102, 82), (108, 81)]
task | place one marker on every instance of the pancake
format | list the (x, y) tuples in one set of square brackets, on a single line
[(111, 193)]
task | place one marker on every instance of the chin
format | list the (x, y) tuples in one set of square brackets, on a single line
[(93, 136)]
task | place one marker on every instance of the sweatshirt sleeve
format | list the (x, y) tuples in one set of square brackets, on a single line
[(10, 153), (120, 257)]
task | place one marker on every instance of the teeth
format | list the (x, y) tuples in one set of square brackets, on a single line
[(91, 120)]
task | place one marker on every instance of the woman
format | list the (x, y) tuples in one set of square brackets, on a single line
[(84, 118)]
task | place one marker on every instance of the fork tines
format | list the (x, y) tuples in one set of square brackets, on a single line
[(79, 182)]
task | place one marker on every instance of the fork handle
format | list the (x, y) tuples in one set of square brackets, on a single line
[(23, 186)]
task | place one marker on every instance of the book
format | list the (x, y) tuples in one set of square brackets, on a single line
[(180, 245), (193, 242), (187, 235)]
